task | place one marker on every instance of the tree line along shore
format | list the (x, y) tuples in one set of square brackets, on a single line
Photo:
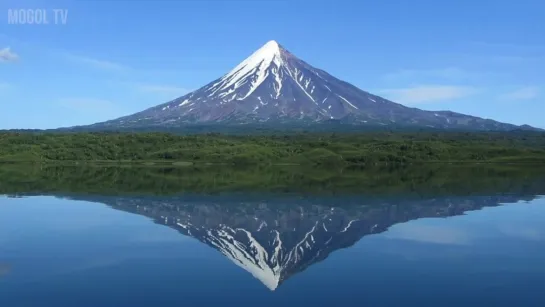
[(366, 148)]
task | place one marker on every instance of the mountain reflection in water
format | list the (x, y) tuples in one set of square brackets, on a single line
[(274, 239), (277, 223)]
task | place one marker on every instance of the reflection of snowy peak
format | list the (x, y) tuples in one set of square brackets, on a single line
[(270, 252), (276, 239)]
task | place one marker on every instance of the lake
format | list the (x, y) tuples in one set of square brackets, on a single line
[(437, 236)]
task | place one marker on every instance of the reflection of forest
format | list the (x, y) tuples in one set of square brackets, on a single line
[(411, 181)]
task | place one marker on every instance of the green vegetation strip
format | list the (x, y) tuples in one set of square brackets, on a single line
[(300, 149)]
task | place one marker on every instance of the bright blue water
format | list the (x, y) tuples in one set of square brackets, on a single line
[(63, 252)]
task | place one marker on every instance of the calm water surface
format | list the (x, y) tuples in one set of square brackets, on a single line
[(272, 250)]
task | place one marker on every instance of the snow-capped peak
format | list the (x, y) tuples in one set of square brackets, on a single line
[(262, 58), (253, 70), (271, 47)]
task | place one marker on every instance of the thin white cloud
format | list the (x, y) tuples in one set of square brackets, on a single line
[(91, 105), (523, 232), (147, 237), (508, 46), (511, 59), (428, 93), (449, 73), (96, 63), (525, 93), (6, 55), (429, 234), (162, 89), (495, 57)]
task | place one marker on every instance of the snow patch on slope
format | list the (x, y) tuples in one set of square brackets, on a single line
[(238, 254)]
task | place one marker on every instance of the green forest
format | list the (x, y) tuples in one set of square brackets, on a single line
[(365, 148)]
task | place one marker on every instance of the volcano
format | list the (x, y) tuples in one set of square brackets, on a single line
[(272, 85)]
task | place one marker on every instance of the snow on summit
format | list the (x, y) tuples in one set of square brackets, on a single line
[(273, 85), (256, 67), (264, 56)]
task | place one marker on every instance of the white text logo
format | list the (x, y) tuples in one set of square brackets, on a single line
[(37, 16)]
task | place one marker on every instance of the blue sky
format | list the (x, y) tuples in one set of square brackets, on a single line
[(112, 58)]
